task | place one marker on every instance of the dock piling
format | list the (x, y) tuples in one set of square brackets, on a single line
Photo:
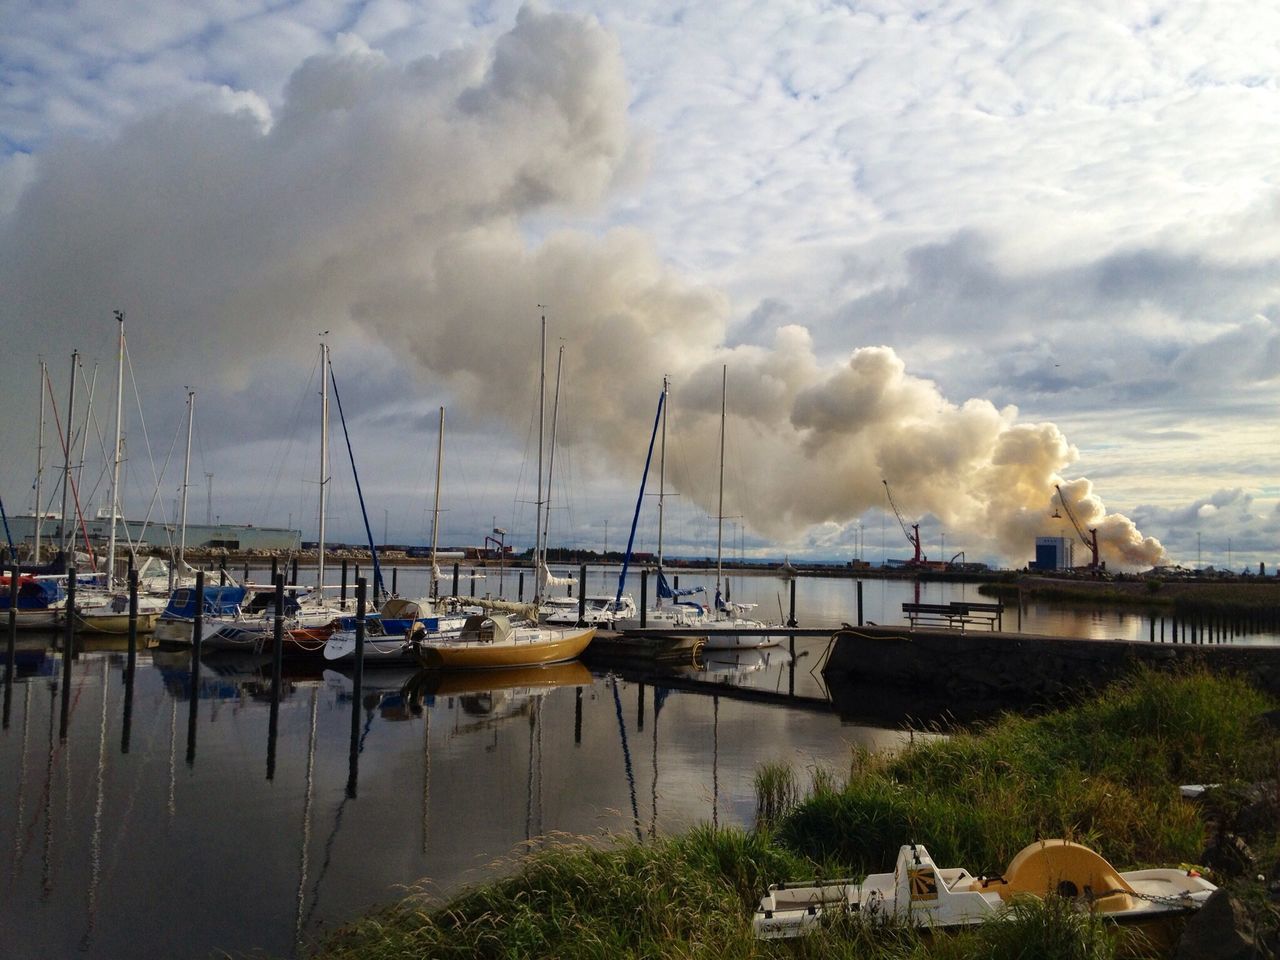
[(10, 658), (197, 639), (357, 683)]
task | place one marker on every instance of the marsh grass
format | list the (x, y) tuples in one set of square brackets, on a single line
[(1104, 772)]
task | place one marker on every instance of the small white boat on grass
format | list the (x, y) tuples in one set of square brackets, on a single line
[(920, 893)]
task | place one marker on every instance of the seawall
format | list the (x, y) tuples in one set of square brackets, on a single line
[(976, 673)]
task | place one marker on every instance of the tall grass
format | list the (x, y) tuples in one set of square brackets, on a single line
[(1104, 772)]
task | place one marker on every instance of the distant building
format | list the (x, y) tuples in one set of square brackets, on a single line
[(1054, 553), (200, 536)]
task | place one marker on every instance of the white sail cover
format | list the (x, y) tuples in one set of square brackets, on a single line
[(549, 579)]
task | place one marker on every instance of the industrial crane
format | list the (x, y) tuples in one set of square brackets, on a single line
[(912, 534), (1090, 541)]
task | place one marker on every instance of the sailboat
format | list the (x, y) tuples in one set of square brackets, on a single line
[(724, 625), (107, 611), (599, 610), (242, 617), (496, 639), (679, 614), (400, 624), (728, 620)]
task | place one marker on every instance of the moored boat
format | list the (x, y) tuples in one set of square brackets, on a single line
[(493, 640), (920, 893), (40, 599), (596, 610)]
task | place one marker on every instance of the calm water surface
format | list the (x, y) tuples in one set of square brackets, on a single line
[(181, 832)]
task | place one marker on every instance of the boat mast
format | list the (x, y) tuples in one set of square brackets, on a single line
[(551, 461), (724, 390), (435, 513), (115, 466), (44, 375), (537, 527), (64, 538), (186, 481), (84, 440), (662, 470), (324, 461)]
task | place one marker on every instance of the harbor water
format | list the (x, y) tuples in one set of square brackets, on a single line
[(162, 825)]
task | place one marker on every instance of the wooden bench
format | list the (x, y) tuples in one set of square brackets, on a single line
[(955, 615)]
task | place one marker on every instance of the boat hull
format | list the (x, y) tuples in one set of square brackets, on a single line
[(115, 623), (511, 652)]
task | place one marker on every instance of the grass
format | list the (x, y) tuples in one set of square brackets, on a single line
[(1104, 772)]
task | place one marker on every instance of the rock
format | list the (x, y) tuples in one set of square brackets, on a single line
[(1220, 930), (1229, 855)]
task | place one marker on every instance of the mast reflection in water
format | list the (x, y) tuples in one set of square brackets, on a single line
[(255, 842)]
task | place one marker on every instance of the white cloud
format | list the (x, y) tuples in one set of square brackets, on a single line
[(1068, 209)]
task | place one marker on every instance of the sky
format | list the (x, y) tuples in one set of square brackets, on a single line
[(997, 255)]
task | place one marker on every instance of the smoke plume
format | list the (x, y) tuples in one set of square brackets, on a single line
[(410, 202)]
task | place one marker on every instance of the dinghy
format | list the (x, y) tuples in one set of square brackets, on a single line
[(922, 894)]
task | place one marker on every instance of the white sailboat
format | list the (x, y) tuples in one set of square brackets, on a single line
[(494, 640), (728, 621), (401, 624), (726, 626), (598, 610), (242, 616), (107, 611)]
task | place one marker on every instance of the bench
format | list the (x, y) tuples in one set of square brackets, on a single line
[(955, 615)]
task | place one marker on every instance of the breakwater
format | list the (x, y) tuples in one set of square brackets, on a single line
[(977, 673)]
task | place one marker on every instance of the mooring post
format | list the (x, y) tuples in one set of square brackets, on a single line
[(222, 570), (68, 645), (791, 618), (275, 568), (395, 587), (277, 670), (644, 598), (859, 591), (197, 639), (342, 597), (132, 661), (277, 647), (246, 572), (582, 594), (294, 580), (72, 576), (357, 683), (11, 646), (455, 581), (473, 581), (577, 716), (520, 591)]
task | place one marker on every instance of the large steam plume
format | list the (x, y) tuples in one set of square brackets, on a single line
[(402, 199)]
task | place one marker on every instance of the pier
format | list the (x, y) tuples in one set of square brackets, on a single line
[(993, 670)]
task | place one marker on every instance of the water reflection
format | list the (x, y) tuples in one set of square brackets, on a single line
[(455, 772)]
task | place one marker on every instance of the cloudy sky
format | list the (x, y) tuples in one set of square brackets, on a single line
[(978, 250)]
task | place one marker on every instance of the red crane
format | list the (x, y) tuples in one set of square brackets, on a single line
[(912, 534), (1090, 541)]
